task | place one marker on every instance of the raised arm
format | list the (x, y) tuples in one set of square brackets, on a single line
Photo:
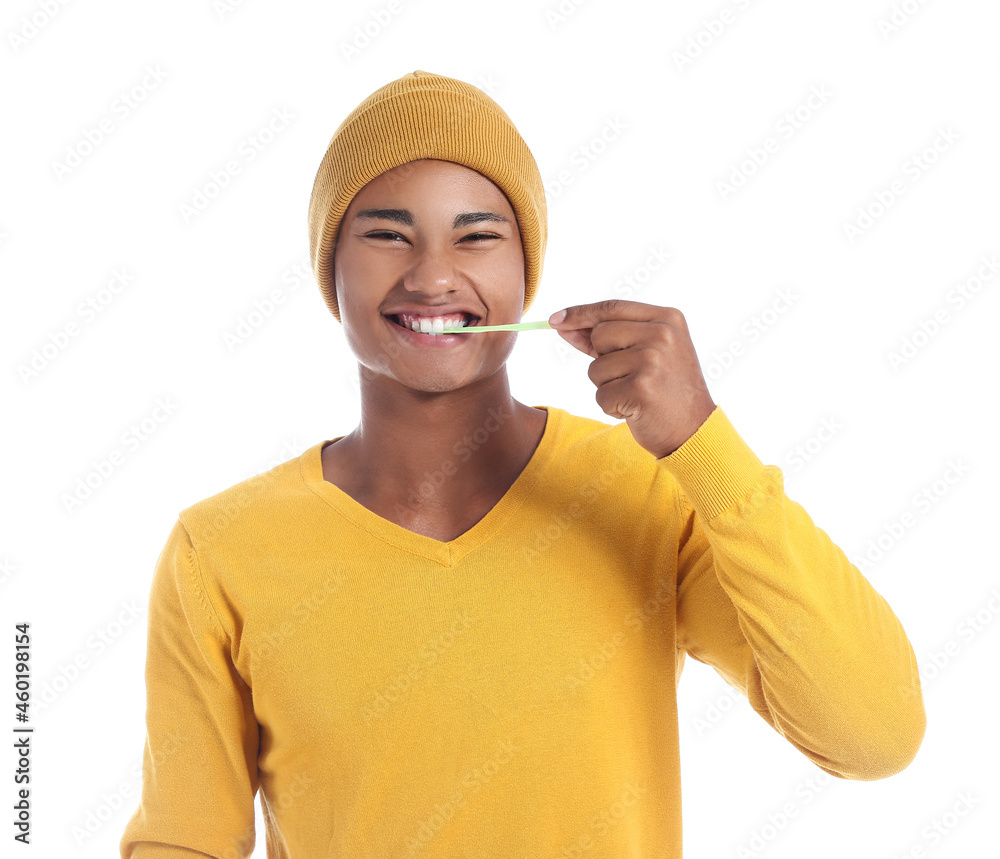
[(764, 595), (767, 599)]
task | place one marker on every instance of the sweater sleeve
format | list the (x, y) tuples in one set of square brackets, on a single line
[(768, 600), (199, 766)]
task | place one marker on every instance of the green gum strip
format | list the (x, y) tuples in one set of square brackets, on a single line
[(515, 326)]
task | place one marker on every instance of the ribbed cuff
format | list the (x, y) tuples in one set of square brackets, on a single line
[(714, 467)]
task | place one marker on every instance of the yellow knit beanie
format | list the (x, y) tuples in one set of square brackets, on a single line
[(423, 115)]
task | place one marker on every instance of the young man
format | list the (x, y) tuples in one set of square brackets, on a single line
[(458, 630)]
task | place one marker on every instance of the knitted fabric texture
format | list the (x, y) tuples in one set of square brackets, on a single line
[(423, 115), (512, 692)]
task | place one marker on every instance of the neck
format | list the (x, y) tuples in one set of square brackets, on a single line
[(448, 446)]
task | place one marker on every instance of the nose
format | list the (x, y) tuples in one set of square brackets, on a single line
[(433, 272)]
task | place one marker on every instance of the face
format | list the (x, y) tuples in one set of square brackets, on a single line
[(429, 236)]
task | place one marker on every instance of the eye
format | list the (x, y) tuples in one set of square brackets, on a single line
[(389, 234), (384, 234)]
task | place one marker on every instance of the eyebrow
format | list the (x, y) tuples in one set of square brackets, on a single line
[(405, 217)]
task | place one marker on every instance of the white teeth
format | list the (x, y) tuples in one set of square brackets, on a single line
[(433, 324)]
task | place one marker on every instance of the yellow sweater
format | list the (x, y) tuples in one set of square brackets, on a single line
[(512, 692)]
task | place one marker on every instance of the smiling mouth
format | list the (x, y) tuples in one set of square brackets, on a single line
[(436, 324)]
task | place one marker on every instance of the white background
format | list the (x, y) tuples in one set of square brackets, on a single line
[(223, 69)]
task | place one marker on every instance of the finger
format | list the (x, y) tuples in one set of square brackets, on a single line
[(589, 315), (580, 339), (613, 365), (618, 399), (615, 335)]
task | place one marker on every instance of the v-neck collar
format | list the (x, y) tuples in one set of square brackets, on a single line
[(452, 551)]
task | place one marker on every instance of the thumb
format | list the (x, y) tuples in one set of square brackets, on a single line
[(574, 329)]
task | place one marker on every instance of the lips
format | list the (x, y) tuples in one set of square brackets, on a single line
[(428, 341)]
